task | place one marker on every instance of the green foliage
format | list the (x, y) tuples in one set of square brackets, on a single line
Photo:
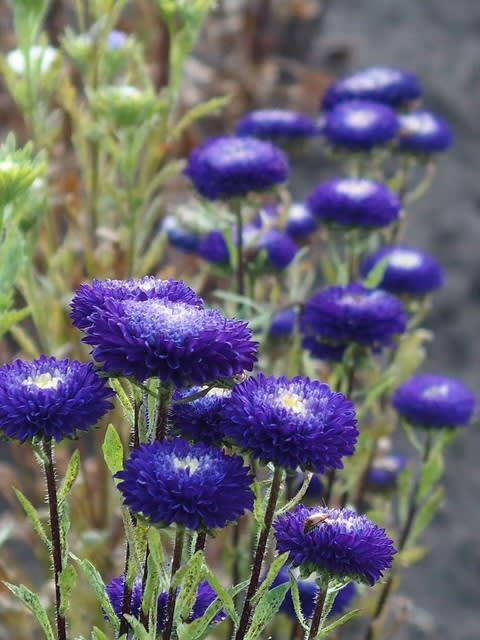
[(266, 609), (33, 516), (32, 602), (113, 450)]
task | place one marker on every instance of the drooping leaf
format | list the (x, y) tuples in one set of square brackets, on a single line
[(32, 516), (296, 601), (96, 582), (32, 602)]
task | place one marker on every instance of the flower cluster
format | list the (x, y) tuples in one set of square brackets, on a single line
[(201, 419)]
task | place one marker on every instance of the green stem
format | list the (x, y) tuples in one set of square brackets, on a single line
[(259, 554), (239, 266), (163, 402), (177, 559), (56, 537)]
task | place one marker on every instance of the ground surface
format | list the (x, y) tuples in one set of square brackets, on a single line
[(438, 39)]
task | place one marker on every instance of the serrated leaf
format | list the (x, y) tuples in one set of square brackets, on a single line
[(123, 399), (113, 450), (223, 595), (190, 577), (139, 631), (275, 567), (266, 609), (96, 582), (32, 514), (197, 112), (338, 623), (431, 472), (67, 581), (296, 601), (425, 514), (32, 602), (70, 477)]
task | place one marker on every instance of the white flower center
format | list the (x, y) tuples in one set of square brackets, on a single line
[(186, 463), (437, 391), (43, 381), (404, 259), (359, 118), (355, 188), (291, 401)]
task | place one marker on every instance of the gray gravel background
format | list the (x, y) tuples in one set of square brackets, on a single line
[(440, 41)]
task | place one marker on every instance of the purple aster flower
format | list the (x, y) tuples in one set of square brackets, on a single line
[(308, 590), (353, 313), (279, 247), (196, 486), (424, 132), (174, 341), (50, 398), (229, 166), (276, 124), (360, 125), (292, 423), (323, 350), (343, 544), (385, 469), (213, 248), (407, 270), (282, 323), (434, 401), (354, 202), (300, 221), (90, 298), (180, 237), (201, 419), (115, 589), (381, 84)]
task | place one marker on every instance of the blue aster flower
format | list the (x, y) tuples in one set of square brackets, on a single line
[(292, 423), (180, 237), (214, 248), (279, 247), (115, 589), (385, 470), (276, 124), (282, 323), (389, 85), (308, 590), (230, 166), (354, 202), (434, 401), (353, 313), (424, 132), (193, 485), (50, 399), (408, 270), (174, 341), (300, 221), (90, 298), (360, 125), (324, 350), (342, 545), (199, 420)]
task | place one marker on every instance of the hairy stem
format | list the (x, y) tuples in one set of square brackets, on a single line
[(172, 594), (259, 554), (56, 539), (317, 614)]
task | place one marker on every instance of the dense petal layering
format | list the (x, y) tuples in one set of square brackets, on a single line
[(275, 124), (342, 545), (50, 398), (201, 419), (424, 132)]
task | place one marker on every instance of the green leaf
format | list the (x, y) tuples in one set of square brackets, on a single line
[(275, 567), (139, 631), (9, 318), (32, 602), (33, 517), (407, 557), (266, 609), (96, 582), (70, 477), (338, 623), (113, 450), (229, 296), (67, 581), (199, 111), (425, 514), (123, 399), (375, 275), (431, 472), (296, 601), (189, 577), (223, 595), (97, 634)]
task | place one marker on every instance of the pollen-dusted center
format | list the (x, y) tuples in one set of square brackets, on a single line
[(43, 381), (291, 401), (189, 463)]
